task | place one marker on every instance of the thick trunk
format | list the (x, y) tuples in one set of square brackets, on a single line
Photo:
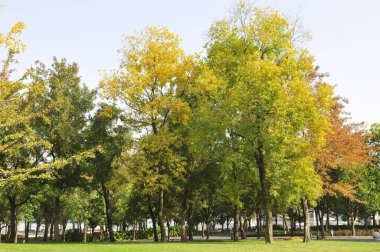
[(13, 219), (161, 217), (57, 235), (154, 222), (266, 197), (106, 197), (236, 223), (191, 222), (306, 232), (183, 220)]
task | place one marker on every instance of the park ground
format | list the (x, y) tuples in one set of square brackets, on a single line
[(199, 246)]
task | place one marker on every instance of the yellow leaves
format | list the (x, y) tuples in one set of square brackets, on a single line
[(10, 40)]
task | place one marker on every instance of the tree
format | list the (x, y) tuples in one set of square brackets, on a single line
[(111, 136), (270, 97), (153, 73)]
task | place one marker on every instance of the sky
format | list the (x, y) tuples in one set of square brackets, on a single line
[(345, 36)]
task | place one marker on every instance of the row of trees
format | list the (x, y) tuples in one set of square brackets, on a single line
[(248, 128)]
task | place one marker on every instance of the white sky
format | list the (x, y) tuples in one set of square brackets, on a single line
[(346, 36)]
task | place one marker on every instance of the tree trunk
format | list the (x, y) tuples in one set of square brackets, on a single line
[(106, 197), (306, 216), (134, 231), (236, 223), (13, 219), (203, 230), (243, 225), (191, 222), (183, 220), (265, 196), (154, 222), (57, 235), (46, 231), (84, 232), (374, 219), (51, 230), (27, 228), (258, 224), (64, 224), (161, 217), (353, 226), (38, 224), (168, 226)]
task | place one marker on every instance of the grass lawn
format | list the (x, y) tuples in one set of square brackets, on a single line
[(217, 246)]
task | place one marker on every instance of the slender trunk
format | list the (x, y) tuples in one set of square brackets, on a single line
[(51, 230), (265, 196), (84, 232), (168, 226), (154, 222), (38, 224), (183, 220), (243, 225), (306, 232), (236, 223), (64, 225), (106, 197), (191, 222), (203, 230), (46, 231), (327, 221), (161, 217), (258, 224), (134, 231), (27, 228), (13, 219), (374, 219), (353, 226), (337, 220), (57, 235)]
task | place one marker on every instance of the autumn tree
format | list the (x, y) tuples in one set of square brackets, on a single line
[(270, 97), (153, 73)]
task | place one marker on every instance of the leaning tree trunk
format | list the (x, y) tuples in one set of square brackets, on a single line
[(306, 216), (13, 219), (265, 196), (106, 197), (161, 217), (183, 220)]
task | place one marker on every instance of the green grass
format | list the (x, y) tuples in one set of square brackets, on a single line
[(217, 246)]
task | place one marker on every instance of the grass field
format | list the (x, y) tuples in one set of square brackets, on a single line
[(217, 246)]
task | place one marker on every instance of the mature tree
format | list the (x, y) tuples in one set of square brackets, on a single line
[(270, 97), (153, 74), (106, 132)]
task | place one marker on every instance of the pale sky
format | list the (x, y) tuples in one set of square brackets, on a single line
[(345, 36)]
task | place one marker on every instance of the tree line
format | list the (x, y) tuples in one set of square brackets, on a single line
[(247, 128)]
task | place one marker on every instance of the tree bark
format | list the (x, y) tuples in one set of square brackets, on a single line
[(13, 219), (27, 228), (57, 235), (306, 216), (84, 232), (191, 222), (38, 224), (161, 216), (154, 222), (265, 196), (236, 223), (243, 224), (183, 220), (106, 197), (353, 226)]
